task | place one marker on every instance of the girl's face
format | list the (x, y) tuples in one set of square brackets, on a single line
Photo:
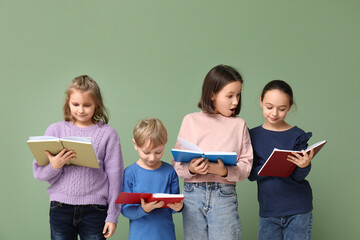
[(275, 105), (82, 108), (227, 99), (149, 157)]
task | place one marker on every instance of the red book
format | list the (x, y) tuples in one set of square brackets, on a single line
[(277, 164), (135, 198)]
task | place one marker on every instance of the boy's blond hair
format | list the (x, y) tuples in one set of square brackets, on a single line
[(150, 129)]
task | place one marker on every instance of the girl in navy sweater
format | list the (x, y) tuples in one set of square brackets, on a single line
[(285, 202)]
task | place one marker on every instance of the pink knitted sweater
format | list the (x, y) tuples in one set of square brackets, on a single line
[(214, 132)]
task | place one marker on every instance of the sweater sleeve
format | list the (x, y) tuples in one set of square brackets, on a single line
[(174, 188), (254, 171), (47, 172), (114, 168), (182, 169), (245, 160), (131, 211), (300, 174)]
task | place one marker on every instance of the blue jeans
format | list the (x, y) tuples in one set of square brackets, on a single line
[(293, 227), (210, 211), (67, 221)]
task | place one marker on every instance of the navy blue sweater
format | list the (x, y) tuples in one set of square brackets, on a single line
[(280, 196)]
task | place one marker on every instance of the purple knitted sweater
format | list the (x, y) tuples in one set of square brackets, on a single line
[(77, 185)]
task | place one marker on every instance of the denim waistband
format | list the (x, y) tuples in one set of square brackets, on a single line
[(213, 185), (74, 205)]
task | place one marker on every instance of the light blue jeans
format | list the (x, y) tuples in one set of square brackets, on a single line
[(210, 211), (293, 227)]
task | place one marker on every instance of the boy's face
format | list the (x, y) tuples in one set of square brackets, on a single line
[(150, 157)]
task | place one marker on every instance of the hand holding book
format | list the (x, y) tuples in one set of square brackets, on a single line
[(61, 159), (281, 163), (154, 198), (192, 151), (149, 206), (199, 166), (301, 160), (63, 151), (176, 206)]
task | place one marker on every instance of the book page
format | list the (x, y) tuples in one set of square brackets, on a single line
[(42, 138), (167, 195), (315, 145), (77, 139), (188, 145)]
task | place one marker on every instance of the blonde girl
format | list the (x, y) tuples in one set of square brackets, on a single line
[(82, 200)]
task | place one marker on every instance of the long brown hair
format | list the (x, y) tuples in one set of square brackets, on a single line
[(84, 83)]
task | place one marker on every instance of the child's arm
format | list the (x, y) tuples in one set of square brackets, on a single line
[(114, 168), (254, 171), (303, 164), (218, 168), (304, 167), (245, 160), (302, 161), (131, 211), (199, 166), (62, 158), (176, 207), (48, 172), (109, 229), (148, 207), (174, 189)]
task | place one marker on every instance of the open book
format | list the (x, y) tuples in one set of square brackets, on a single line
[(277, 164), (85, 154), (135, 198), (192, 151)]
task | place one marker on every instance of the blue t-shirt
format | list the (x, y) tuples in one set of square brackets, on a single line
[(280, 196), (158, 224)]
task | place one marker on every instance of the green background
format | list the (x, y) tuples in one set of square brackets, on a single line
[(150, 58)]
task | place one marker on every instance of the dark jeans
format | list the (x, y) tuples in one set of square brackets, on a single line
[(67, 221)]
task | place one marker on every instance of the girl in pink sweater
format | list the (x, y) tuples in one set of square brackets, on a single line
[(210, 204)]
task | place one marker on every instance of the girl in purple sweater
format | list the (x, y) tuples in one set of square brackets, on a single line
[(82, 199)]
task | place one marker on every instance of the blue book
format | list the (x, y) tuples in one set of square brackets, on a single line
[(192, 151)]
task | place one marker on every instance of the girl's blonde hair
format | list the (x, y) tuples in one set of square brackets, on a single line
[(150, 129), (84, 83)]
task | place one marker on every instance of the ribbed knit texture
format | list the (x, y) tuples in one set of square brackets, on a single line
[(214, 132), (77, 185)]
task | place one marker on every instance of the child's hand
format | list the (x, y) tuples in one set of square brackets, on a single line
[(301, 161), (148, 207), (176, 206), (199, 166), (59, 160), (109, 229), (218, 168)]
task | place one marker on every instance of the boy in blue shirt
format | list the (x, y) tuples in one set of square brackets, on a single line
[(150, 175)]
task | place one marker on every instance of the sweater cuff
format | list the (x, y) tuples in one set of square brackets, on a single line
[(112, 218), (113, 214), (50, 172)]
